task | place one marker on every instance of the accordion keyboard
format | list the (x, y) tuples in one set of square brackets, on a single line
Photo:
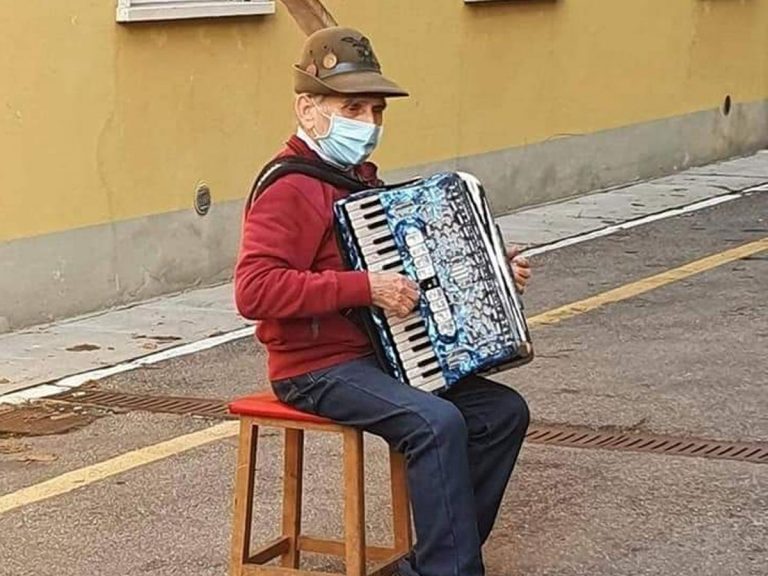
[(442, 237)]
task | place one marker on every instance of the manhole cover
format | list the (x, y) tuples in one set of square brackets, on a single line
[(43, 419)]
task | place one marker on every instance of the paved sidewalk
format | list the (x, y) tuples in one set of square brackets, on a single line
[(552, 222), (47, 353)]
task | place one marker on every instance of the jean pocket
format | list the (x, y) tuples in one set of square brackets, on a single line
[(293, 391)]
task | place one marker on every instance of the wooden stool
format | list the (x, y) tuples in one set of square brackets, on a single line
[(266, 410)]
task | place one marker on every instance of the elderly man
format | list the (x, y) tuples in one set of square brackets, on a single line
[(460, 446)]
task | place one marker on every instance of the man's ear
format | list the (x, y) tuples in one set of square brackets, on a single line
[(304, 107)]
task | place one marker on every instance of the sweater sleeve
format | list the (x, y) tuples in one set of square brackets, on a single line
[(282, 233)]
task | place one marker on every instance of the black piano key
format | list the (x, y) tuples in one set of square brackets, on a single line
[(383, 239), (374, 214), (431, 372), (387, 249)]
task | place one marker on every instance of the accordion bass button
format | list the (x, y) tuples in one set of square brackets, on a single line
[(433, 294), (447, 328), (414, 237), (438, 304), (443, 317), (425, 273)]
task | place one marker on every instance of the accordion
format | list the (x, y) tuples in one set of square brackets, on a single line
[(440, 232)]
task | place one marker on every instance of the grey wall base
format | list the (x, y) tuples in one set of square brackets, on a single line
[(65, 274), (69, 273), (572, 165)]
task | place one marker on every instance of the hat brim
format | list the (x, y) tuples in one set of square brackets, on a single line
[(349, 83)]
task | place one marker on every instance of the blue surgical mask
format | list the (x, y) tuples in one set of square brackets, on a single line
[(349, 142)]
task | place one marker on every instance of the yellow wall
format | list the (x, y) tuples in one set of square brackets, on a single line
[(101, 122)]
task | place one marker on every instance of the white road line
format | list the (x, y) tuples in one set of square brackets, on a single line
[(608, 230), (56, 387)]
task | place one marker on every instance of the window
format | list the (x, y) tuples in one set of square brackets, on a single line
[(137, 10)]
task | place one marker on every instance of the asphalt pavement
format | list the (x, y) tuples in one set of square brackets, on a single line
[(687, 359)]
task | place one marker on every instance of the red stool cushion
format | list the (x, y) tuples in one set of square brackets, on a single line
[(268, 406)]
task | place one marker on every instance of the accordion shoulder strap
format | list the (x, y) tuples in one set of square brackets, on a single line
[(280, 167)]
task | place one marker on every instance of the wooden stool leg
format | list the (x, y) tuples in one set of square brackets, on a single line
[(354, 502), (292, 491), (243, 504), (401, 507)]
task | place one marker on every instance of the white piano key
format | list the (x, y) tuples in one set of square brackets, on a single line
[(393, 320), (362, 234), (428, 357), (402, 333), (426, 373), (364, 204), (375, 258), (404, 338), (378, 265), (432, 384), (383, 235), (406, 355), (374, 249), (411, 326)]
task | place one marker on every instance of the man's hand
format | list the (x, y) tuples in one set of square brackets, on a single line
[(393, 292), (521, 268)]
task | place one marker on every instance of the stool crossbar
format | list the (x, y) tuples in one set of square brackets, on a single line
[(265, 410)]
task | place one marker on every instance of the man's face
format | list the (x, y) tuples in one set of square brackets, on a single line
[(358, 107)]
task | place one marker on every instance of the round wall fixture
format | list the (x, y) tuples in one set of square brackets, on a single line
[(727, 105), (203, 199)]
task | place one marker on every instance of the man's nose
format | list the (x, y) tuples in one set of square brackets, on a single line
[(370, 116)]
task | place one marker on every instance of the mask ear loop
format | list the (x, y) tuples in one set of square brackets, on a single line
[(315, 135)]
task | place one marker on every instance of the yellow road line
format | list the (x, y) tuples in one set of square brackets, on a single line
[(96, 472), (646, 284)]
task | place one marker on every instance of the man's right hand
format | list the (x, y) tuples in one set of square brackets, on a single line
[(394, 293)]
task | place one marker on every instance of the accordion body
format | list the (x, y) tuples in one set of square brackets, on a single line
[(440, 232)]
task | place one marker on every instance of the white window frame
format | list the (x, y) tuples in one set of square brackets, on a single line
[(143, 10)]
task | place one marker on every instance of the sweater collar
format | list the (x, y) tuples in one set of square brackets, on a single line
[(366, 172), (312, 145)]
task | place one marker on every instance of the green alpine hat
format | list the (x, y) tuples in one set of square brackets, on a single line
[(340, 60)]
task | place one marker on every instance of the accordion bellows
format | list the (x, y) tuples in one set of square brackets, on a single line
[(440, 232)]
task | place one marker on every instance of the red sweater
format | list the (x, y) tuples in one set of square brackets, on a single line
[(290, 277)]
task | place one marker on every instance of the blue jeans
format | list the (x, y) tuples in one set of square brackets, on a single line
[(460, 450)]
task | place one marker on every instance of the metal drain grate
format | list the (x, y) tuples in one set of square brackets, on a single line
[(164, 404), (551, 434), (577, 437)]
